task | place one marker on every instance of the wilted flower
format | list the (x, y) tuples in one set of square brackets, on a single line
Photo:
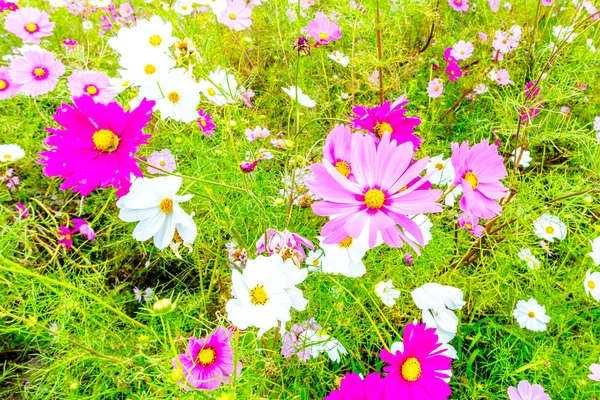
[(287, 244)]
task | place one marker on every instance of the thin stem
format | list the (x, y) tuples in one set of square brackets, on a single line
[(380, 53)]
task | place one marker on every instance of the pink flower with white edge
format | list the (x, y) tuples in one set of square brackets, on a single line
[(435, 88), (459, 5), (84, 228), (323, 30), (462, 50), (387, 190), (91, 83), (236, 15), (30, 24), (8, 88), (36, 71), (470, 224), (478, 171), (161, 159), (256, 133), (503, 78)]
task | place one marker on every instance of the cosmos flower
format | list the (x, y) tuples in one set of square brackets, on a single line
[(11, 152), (529, 314), (436, 302), (292, 343), (161, 159), (592, 284), (353, 387), (8, 88), (205, 123), (36, 71), (549, 227), (527, 391), (346, 256), (145, 68), (296, 94), (84, 228), (595, 372), (502, 78), (21, 210), (287, 244), (440, 171), (340, 58), (459, 5), (91, 83), (435, 88), (470, 224), (30, 24), (524, 157), (320, 342), (70, 44), (529, 258), (65, 237), (97, 146), (220, 87), (595, 253), (387, 292), (256, 133), (454, 72), (337, 149), (478, 171), (236, 15), (462, 50), (153, 36), (323, 30)]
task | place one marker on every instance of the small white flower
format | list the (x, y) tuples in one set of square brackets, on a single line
[(100, 3), (564, 33), (220, 87), (591, 46), (595, 253), (436, 301), (87, 25), (450, 199), (118, 85), (531, 315), (56, 3), (525, 157), (11, 152), (387, 293), (296, 94), (529, 258), (314, 260), (592, 284), (217, 6), (443, 171), (339, 58), (549, 227), (320, 342), (183, 7), (444, 320)]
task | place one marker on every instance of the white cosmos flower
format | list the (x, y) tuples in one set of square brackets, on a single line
[(152, 35), (345, 257), (425, 226), (531, 315), (444, 320), (217, 6), (340, 58), (261, 298), (293, 276), (314, 260), (444, 171), (592, 284), (529, 258), (87, 25), (387, 292), (145, 68), (220, 87), (525, 157), (564, 33), (100, 3), (183, 7), (155, 204), (595, 253), (118, 85), (11, 152), (436, 301), (450, 199), (176, 96), (549, 227), (296, 94), (320, 342)]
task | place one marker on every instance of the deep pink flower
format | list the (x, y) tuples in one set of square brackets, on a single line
[(353, 387), (205, 123), (527, 391), (247, 166), (389, 118), (91, 83), (22, 210), (547, 2), (459, 5), (36, 71), (454, 72), (98, 145), (70, 44), (448, 56), (284, 243), (6, 5), (529, 93), (388, 188), (478, 170), (470, 224), (417, 367), (207, 362), (236, 15), (336, 150), (323, 30), (66, 237), (30, 24), (408, 259), (84, 228), (8, 88)]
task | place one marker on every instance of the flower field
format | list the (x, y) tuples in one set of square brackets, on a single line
[(300, 199)]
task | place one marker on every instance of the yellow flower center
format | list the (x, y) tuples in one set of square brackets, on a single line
[(344, 244), (468, 226), (471, 178), (591, 284), (462, 52), (323, 35), (162, 163), (436, 88), (315, 262), (7, 156), (439, 165), (39, 72), (343, 168), (203, 123), (232, 16), (505, 40), (531, 314), (105, 140), (155, 40), (91, 90), (173, 97), (166, 205), (31, 28), (458, 2), (149, 69), (374, 199), (549, 230), (68, 237), (258, 296), (3, 84), (452, 72), (382, 128), (211, 91), (411, 369), (206, 356), (125, 83)]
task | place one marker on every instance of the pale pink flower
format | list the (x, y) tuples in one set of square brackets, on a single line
[(36, 71), (435, 88), (91, 83), (459, 5), (483, 36), (547, 2), (161, 159), (30, 24), (8, 88), (256, 133), (323, 30), (462, 50), (504, 42), (236, 15), (503, 78), (494, 5), (595, 375)]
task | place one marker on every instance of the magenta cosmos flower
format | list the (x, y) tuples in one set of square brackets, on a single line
[(389, 118), (236, 15), (459, 5), (337, 150), (207, 362), (454, 72), (65, 237), (91, 83), (417, 367), (8, 88), (97, 146), (527, 391), (478, 171), (323, 30), (36, 71), (30, 24), (353, 387), (387, 190), (205, 123)]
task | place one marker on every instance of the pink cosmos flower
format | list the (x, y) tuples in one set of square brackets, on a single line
[(286, 244), (22, 210), (66, 237), (323, 30), (205, 123), (470, 224), (478, 170), (98, 145), (448, 56), (504, 42), (161, 159), (389, 118), (70, 44), (595, 372), (36, 71), (454, 72), (207, 362), (30, 24), (462, 50), (418, 367), (337, 150), (503, 78), (494, 5), (459, 5), (236, 15), (7, 87), (435, 88), (256, 133), (292, 343), (84, 228), (547, 3), (483, 36), (481, 88), (91, 83), (5, 5), (353, 387), (527, 391), (247, 166), (388, 188)]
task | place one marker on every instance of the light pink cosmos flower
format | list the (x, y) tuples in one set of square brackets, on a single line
[(459, 5), (503, 78), (256, 133), (337, 150), (470, 224), (480, 88), (597, 123), (527, 391), (483, 36), (435, 88), (462, 50), (7, 87), (494, 5), (504, 42), (30, 24), (91, 83), (547, 3), (161, 159), (595, 375), (388, 188), (36, 71), (323, 30), (236, 15), (478, 171)]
